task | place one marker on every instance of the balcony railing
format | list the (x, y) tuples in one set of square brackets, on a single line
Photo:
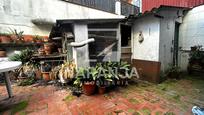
[(108, 6), (128, 9)]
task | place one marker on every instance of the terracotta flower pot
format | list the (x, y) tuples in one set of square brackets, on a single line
[(2, 53), (28, 38), (13, 38), (129, 1), (38, 74), (46, 39), (46, 76), (89, 88), (101, 90), (5, 39)]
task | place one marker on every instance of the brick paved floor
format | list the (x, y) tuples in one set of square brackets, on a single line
[(131, 100)]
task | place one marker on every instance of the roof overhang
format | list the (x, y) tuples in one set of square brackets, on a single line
[(155, 11), (91, 21)]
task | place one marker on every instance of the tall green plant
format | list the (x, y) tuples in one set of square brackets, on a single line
[(85, 75), (25, 57)]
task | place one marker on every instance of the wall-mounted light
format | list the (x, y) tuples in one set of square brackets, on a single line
[(141, 37)]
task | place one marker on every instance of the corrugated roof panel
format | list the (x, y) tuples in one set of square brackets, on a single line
[(147, 5)]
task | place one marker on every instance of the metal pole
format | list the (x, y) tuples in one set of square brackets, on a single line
[(8, 85)]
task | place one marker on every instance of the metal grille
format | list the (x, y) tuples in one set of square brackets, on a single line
[(128, 9), (107, 5)]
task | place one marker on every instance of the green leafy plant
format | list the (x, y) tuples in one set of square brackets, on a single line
[(37, 37), (102, 73), (18, 35), (123, 69), (25, 56), (85, 75), (173, 71)]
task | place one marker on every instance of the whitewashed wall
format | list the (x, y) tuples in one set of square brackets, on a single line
[(191, 33), (167, 32), (149, 48), (19, 13)]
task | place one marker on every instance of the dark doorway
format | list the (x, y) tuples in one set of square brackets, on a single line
[(176, 44), (125, 35), (126, 43)]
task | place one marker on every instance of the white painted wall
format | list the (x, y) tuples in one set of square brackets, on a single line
[(19, 13), (158, 35), (167, 32), (191, 33), (149, 48)]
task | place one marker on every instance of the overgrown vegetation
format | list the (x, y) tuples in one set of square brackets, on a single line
[(24, 56), (28, 68)]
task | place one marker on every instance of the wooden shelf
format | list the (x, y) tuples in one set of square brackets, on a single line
[(19, 44), (55, 55)]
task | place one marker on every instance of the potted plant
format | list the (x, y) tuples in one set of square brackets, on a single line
[(105, 75), (48, 48), (17, 36), (173, 72), (86, 78), (2, 52), (101, 83), (38, 39), (46, 39), (5, 38), (45, 70), (25, 57), (67, 71), (123, 69)]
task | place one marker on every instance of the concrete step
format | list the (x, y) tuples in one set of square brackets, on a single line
[(126, 55), (126, 50)]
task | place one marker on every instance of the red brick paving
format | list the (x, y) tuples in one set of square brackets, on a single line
[(49, 100)]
